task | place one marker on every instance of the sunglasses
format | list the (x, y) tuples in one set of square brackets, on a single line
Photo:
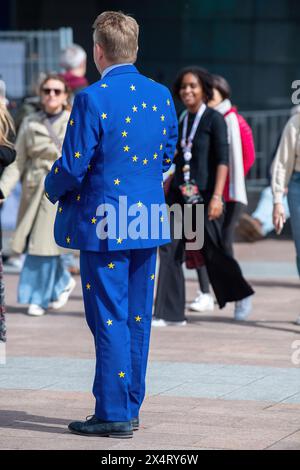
[(57, 91)]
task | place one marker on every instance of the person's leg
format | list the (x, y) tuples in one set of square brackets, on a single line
[(37, 280), (70, 262), (204, 301), (294, 206), (141, 286), (170, 294), (62, 279), (64, 284), (203, 279), (232, 214), (224, 272), (105, 292)]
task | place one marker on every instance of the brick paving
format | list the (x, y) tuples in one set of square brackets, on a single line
[(214, 384)]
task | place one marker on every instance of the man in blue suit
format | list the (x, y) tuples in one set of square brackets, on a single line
[(120, 139)]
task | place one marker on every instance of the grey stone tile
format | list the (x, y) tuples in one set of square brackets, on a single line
[(27, 381), (80, 384), (269, 388), (157, 385), (242, 371), (188, 370), (291, 442), (199, 380), (199, 389), (293, 399), (226, 379)]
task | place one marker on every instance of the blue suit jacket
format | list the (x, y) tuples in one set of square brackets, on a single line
[(120, 139)]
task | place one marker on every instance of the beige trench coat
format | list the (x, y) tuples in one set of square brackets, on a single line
[(36, 154)]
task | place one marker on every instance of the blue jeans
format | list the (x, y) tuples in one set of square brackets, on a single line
[(68, 260), (42, 280), (294, 205), (264, 210)]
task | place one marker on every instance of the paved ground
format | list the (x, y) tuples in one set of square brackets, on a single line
[(213, 384)]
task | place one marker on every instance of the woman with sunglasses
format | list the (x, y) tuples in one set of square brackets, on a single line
[(44, 282)]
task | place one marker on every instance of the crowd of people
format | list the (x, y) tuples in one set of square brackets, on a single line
[(215, 148), (121, 137)]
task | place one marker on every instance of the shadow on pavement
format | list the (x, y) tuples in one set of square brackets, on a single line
[(12, 419), (266, 324), (10, 309), (270, 283), (23, 311)]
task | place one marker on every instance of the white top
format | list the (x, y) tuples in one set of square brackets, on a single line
[(237, 186), (287, 158)]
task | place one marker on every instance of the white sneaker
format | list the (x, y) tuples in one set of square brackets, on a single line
[(243, 308), (202, 303), (64, 296), (176, 323), (161, 322), (158, 322), (298, 321), (35, 310)]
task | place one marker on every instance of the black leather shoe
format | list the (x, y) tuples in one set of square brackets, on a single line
[(135, 424), (95, 427)]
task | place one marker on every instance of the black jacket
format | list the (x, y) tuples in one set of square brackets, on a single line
[(210, 149)]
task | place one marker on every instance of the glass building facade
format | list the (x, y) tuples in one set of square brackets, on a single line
[(253, 43)]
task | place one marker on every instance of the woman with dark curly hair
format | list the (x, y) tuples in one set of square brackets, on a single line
[(201, 161)]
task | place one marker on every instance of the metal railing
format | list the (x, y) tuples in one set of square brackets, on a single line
[(267, 127), (24, 55)]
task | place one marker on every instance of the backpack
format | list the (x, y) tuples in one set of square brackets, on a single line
[(247, 140)]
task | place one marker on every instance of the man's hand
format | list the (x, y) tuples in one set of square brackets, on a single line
[(215, 207)]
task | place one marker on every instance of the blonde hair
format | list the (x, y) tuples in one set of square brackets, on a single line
[(118, 34), (7, 127)]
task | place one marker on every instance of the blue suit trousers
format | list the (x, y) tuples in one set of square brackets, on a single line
[(118, 296)]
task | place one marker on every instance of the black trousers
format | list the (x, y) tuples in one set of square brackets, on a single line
[(224, 272), (203, 279), (232, 214)]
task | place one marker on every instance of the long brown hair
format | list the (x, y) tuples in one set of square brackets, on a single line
[(7, 127)]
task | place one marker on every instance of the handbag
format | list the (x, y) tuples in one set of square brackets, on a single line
[(190, 192), (194, 259)]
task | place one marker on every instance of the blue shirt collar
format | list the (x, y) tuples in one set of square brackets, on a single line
[(111, 67)]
